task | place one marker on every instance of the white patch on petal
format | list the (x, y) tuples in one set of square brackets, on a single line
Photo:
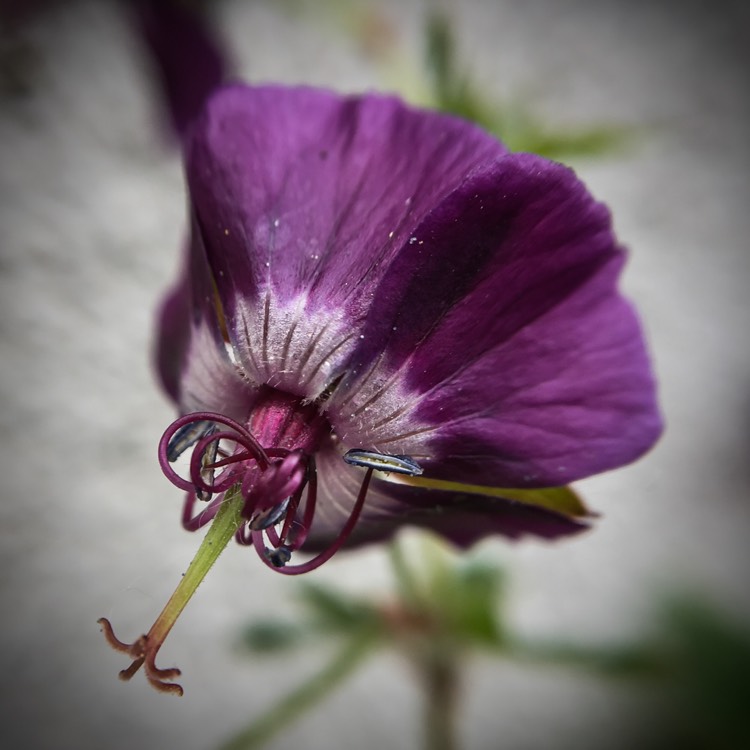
[(290, 347), (378, 413), (211, 381)]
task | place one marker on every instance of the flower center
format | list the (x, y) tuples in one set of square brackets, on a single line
[(258, 484)]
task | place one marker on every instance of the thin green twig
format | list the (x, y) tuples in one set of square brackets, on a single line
[(280, 716)]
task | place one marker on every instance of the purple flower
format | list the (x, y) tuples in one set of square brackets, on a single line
[(363, 276), (383, 278)]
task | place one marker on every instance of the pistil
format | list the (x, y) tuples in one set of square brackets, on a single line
[(259, 484), (144, 649)]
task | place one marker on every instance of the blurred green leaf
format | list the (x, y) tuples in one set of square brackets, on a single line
[(630, 660), (272, 636), (463, 596), (440, 54), (696, 660), (453, 92), (475, 602), (336, 610), (563, 143), (709, 652)]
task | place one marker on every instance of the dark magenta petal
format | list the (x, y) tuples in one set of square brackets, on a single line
[(188, 60), (303, 199), (173, 336), (465, 519), (510, 357), (461, 518), (576, 391), (195, 364)]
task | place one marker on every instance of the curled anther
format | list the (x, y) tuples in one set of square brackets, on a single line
[(198, 430), (263, 519), (279, 556), (187, 436), (143, 655)]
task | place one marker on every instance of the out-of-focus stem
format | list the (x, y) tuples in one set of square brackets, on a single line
[(440, 673), (307, 695)]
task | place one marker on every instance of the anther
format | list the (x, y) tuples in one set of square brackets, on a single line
[(396, 463), (278, 557), (187, 436), (262, 519)]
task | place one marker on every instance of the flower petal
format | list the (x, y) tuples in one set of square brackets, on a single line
[(187, 59), (173, 335), (303, 198), (563, 500), (193, 360), (507, 356), (459, 517)]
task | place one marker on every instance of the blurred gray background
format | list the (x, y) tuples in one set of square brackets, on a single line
[(91, 219)]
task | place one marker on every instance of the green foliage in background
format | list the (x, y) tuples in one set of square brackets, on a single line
[(445, 607)]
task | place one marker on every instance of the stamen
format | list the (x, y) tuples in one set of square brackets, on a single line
[(244, 536), (198, 463), (144, 649), (311, 484), (303, 530), (278, 557), (396, 463), (265, 492), (271, 557), (207, 469), (188, 435), (294, 533), (269, 517), (239, 435), (250, 491)]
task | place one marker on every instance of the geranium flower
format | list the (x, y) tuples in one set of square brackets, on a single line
[(384, 318)]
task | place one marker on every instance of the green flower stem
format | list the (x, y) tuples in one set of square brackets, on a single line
[(307, 695)]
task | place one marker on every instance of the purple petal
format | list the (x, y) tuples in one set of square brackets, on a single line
[(188, 60), (194, 362), (510, 358), (461, 518), (576, 391), (303, 199), (173, 336)]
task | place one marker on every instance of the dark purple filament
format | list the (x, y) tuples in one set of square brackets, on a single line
[(278, 486)]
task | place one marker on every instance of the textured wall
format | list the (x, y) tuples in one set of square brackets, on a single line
[(91, 217)]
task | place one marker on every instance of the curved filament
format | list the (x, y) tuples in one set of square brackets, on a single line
[(169, 450), (206, 515), (276, 557)]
